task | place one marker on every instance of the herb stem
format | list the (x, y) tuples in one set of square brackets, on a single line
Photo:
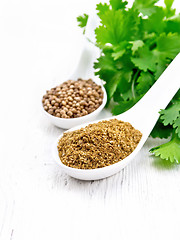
[(89, 40), (133, 82)]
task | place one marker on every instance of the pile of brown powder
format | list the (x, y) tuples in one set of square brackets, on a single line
[(98, 145)]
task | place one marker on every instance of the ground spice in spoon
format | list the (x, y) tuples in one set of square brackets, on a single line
[(98, 145)]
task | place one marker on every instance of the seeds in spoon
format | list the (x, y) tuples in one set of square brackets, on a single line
[(79, 97)]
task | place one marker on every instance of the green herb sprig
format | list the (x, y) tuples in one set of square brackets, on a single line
[(137, 44)]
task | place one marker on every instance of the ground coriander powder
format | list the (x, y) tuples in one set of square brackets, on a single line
[(98, 145)]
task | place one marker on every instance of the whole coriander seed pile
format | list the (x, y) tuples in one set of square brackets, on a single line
[(98, 145), (73, 99)]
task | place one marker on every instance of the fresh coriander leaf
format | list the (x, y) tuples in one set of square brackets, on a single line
[(123, 93), (118, 4), (145, 81), (123, 90), (155, 22), (161, 131), (169, 151), (102, 8), (125, 62), (168, 46), (128, 95), (173, 24), (162, 63), (168, 10), (107, 71), (120, 79), (124, 106), (176, 126), (169, 115), (125, 66), (125, 77), (117, 26), (146, 7), (112, 84), (117, 97), (118, 51), (136, 44), (105, 63), (82, 20), (176, 97), (115, 75), (168, 3), (145, 59), (104, 36)]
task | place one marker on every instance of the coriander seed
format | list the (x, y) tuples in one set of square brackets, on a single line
[(73, 99)]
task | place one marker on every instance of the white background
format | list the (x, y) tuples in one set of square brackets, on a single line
[(40, 45)]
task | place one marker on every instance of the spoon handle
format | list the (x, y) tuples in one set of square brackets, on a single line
[(146, 112), (89, 51)]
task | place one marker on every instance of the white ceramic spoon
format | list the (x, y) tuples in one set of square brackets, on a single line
[(142, 116), (83, 70)]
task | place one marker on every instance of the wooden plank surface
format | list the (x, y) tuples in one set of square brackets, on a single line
[(40, 46)]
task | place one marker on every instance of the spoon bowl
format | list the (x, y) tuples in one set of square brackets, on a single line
[(142, 116), (67, 123), (98, 173), (83, 70)]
